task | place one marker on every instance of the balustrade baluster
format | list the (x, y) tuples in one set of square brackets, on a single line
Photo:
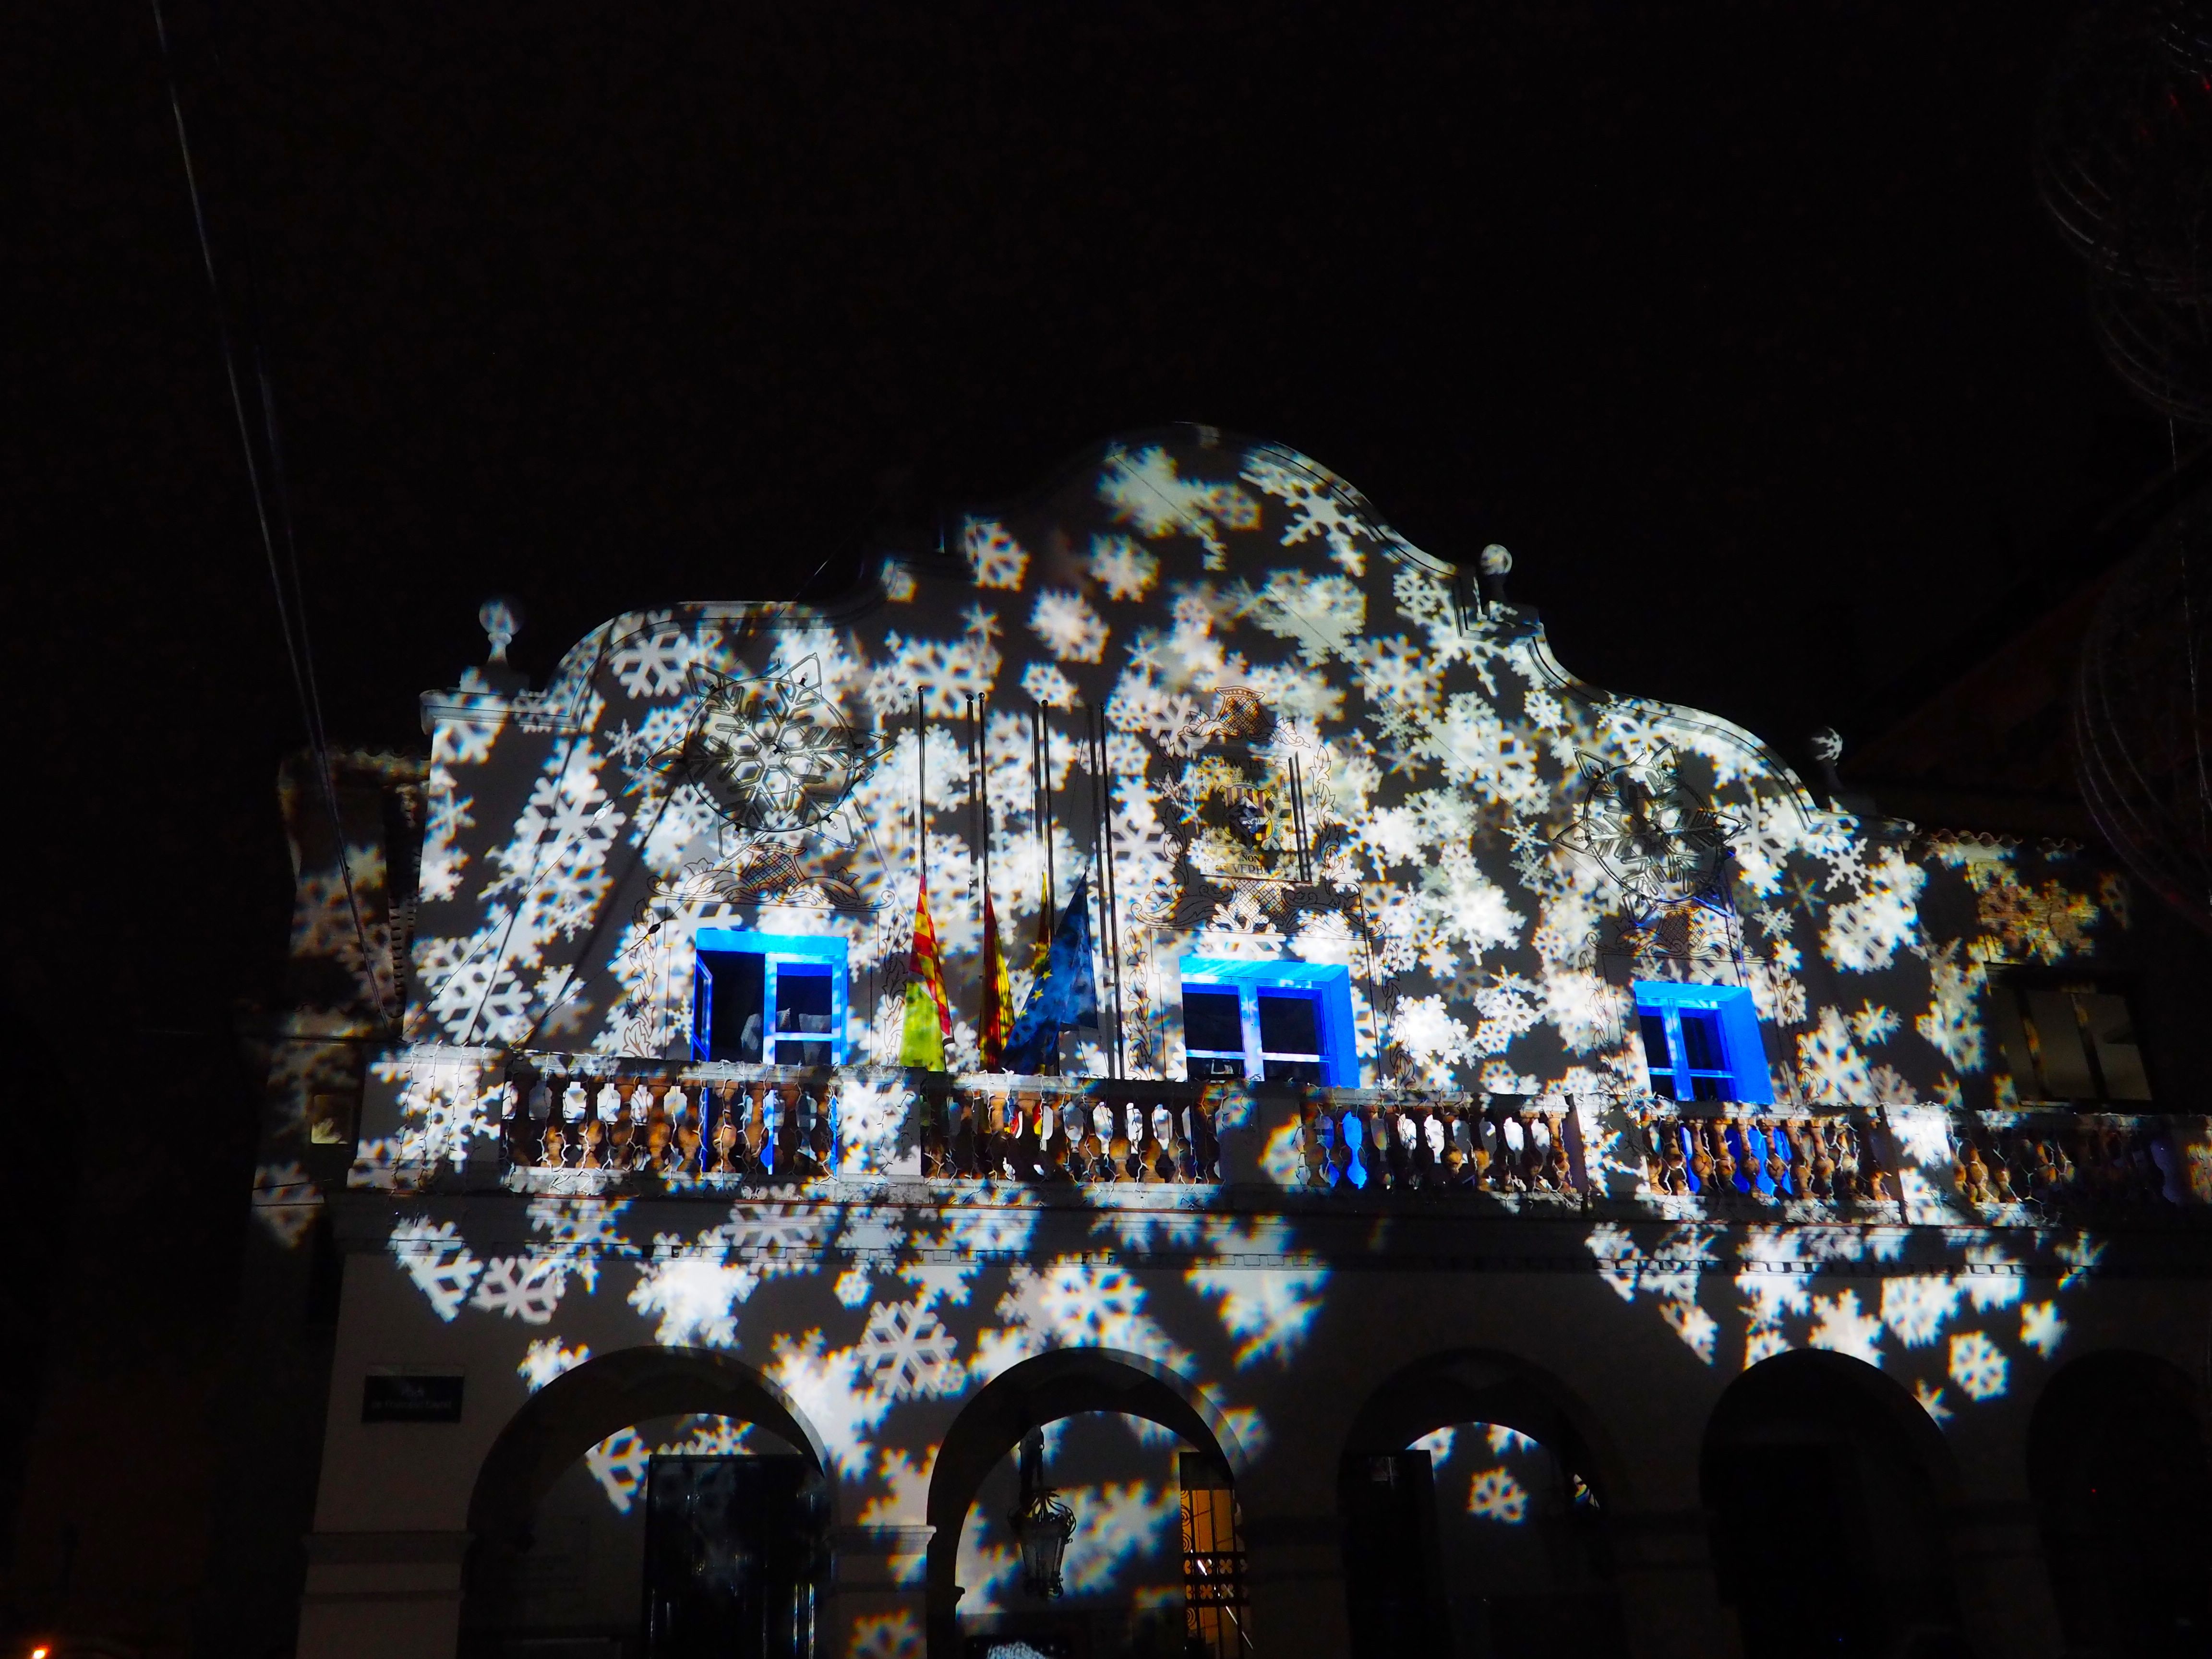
[(1725, 1163)]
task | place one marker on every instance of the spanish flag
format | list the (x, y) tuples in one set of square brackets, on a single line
[(998, 1019), (928, 1029)]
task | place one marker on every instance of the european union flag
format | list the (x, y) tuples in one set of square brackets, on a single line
[(1065, 994)]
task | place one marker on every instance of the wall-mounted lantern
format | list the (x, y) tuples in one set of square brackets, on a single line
[(1041, 1522)]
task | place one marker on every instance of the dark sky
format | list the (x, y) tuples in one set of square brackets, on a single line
[(1739, 323), (1736, 320)]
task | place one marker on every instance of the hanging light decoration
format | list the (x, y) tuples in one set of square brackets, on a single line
[(1042, 1524), (2124, 161), (2142, 713)]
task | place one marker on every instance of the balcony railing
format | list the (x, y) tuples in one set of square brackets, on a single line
[(583, 1124), (770, 1127), (1365, 1141), (1085, 1131)]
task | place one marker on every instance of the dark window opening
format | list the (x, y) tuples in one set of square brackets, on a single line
[(739, 979), (802, 1010), (1289, 1023), (1258, 1033), (1210, 1021), (2069, 1040), (1213, 1034)]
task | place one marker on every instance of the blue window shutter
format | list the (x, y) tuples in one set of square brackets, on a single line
[(1747, 1052), (702, 1010)]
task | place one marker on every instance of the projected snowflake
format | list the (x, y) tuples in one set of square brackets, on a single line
[(1648, 830), (774, 753)]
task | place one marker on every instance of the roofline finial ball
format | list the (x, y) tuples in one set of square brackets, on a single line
[(1827, 746), (500, 623), (1496, 564)]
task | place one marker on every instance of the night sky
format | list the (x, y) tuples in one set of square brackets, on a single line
[(1739, 323)]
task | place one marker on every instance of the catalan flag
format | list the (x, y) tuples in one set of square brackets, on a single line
[(928, 1029)]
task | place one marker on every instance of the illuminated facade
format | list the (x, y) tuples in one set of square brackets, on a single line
[(1513, 1113)]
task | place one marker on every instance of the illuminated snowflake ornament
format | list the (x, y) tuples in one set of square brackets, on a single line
[(906, 1351), (1649, 830), (774, 753)]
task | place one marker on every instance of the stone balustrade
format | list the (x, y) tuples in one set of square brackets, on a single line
[(1092, 1131), (1365, 1141), (585, 1124)]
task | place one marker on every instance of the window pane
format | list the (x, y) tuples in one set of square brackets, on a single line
[(2113, 1032), (1209, 1020), (1292, 1071), (1705, 1085), (791, 1053), (1655, 1054), (1701, 1042), (1202, 1066), (1289, 1023), (739, 979), (2012, 1037), (802, 999), (2057, 1038)]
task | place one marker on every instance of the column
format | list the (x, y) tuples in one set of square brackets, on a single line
[(1670, 1605), (881, 1604), (1294, 1567), (2005, 1603), (373, 1594)]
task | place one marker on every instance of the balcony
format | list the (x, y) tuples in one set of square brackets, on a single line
[(590, 1125)]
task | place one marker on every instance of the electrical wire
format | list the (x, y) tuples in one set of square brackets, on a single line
[(290, 612)]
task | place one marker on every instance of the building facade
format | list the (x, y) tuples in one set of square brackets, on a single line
[(1529, 1173)]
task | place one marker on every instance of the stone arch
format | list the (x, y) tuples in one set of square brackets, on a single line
[(2118, 1467), (581, 1407), (1062, 1383), (1829, 1487), (1477, 1385), (573, 1413), (1402, 1593)]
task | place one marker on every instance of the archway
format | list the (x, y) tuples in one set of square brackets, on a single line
[(1052, 1388), (1827, 1484), (1472, 1491), (2118, 1466), (571, 1537)]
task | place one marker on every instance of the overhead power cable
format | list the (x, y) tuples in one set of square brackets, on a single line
[(291, 612)]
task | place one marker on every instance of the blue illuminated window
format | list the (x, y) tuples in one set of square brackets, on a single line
[(1701, 1042), (771, 999), (1271, 1022)]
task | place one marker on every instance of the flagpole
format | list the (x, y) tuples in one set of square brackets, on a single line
[(1108, 907), (1040, 753), (1044, 814)]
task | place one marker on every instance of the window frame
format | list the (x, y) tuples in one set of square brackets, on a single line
[(1328, 985), (805, 955), (1734, 1020), (2017, 1029)]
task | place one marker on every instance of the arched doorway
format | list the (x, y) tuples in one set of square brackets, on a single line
[(657, 1502), (2117, 1463), (1157, 1467), (1826, 1483), (1474, 1521)]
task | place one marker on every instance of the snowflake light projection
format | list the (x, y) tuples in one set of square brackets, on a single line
[(774, 753), (1466, 817), (1649, 830)]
